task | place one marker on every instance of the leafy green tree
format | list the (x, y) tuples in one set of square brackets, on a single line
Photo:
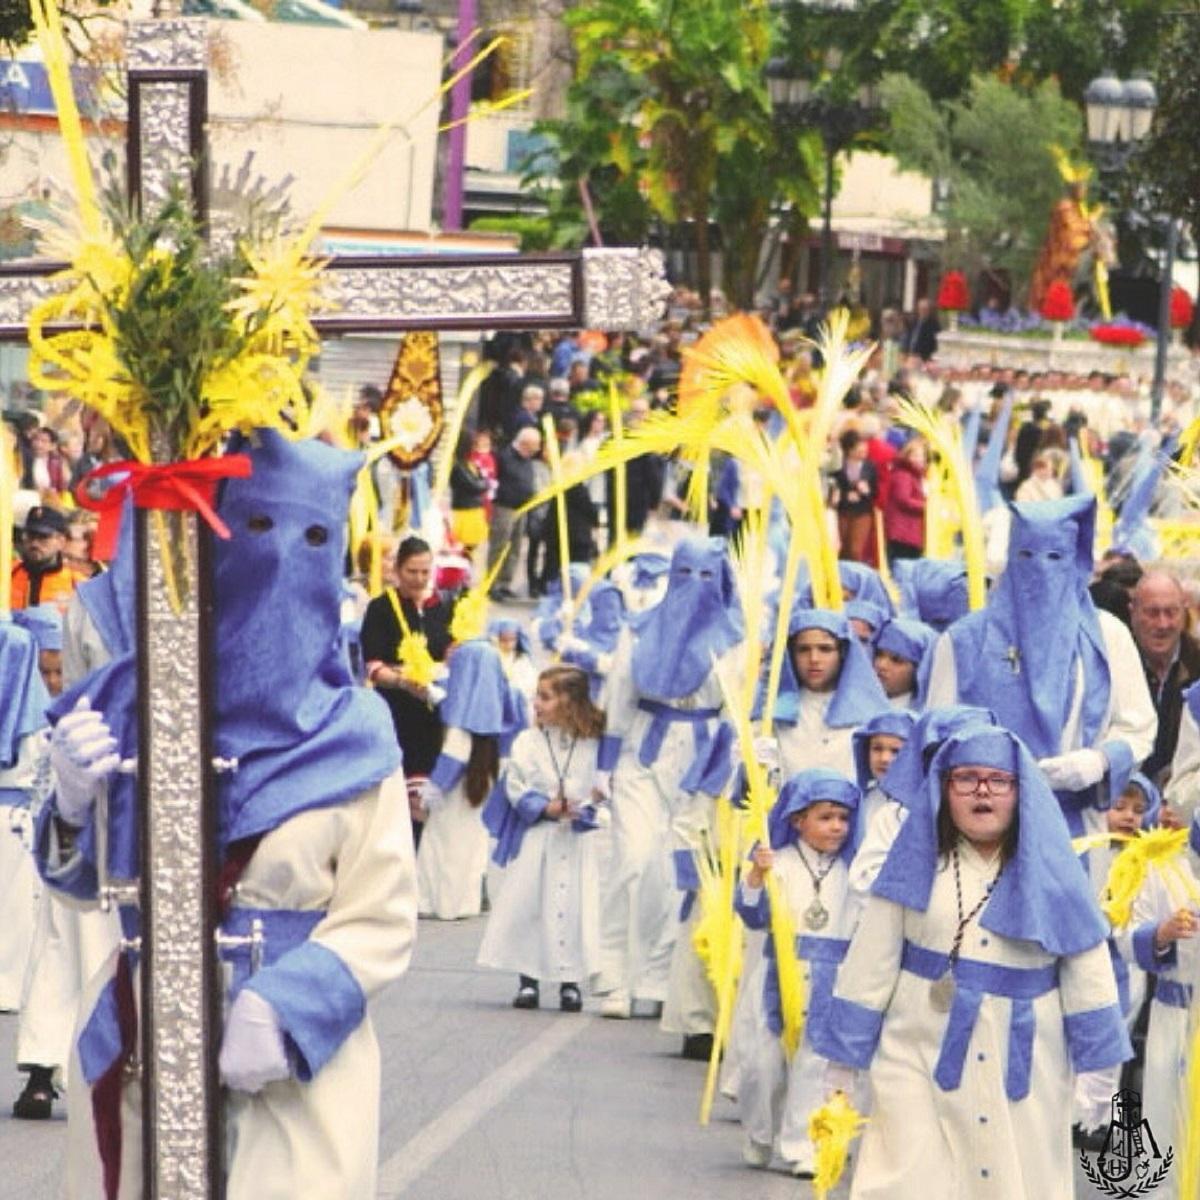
[(993, 151), (1169, 164)]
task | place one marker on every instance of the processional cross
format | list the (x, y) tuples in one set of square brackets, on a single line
[(180, 1009)]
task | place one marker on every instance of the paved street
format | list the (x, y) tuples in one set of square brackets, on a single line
[(481, 1101)]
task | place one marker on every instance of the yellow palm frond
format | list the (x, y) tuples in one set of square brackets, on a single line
[(471, 610), (831, 1129), (1151, 848), (944, 436)]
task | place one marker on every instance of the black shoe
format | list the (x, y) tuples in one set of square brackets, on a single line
[(37, 1100), (527, 993), (569, 999), (697, 1046)]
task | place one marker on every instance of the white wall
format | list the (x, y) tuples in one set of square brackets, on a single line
[(309, 100)]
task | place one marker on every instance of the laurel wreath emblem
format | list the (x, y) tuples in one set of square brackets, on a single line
[(1109, 1188)]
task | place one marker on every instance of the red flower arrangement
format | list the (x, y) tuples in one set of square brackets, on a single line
[(1182, 308), (953, 295), (1059, 304), (1117, 335)]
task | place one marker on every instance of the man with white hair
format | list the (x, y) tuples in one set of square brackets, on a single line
[(528, 412)]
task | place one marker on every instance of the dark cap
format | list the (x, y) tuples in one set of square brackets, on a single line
[(41, 520)]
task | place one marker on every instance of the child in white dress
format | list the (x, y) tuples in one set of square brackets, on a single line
[(544, 925), (811, 826)]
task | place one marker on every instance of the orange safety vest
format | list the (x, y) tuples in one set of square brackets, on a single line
[(56, 586)]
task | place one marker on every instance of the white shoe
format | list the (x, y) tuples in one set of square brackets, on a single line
[(755, 1154), (802, 1170), (616, 1005)]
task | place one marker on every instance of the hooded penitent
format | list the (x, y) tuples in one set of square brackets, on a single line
[(802, 791), (285, 704), (912, 641), (933, 590), (44, 621), (897, 723), (1043, 894), (696, 621), (25, 696), (479, 697), (858, 695), (906, 776), (859, 582), (1019, 655)]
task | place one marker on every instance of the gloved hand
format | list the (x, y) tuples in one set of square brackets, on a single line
[(604, 663), (434, 695), (1093, 1099), (83, 753), (431, 795), (569, 642), (253, 1053), (602, 785), (766, 751), (839, 1078), (1074, 771)]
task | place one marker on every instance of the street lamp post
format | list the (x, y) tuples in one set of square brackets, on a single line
[(796, 102), (1119, 117)]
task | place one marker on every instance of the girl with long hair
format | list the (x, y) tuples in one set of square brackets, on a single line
[(544, 924)]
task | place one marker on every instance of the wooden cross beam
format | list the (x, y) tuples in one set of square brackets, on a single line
[(180, 997)]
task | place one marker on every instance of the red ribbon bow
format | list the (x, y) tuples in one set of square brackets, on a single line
[(187, 486)]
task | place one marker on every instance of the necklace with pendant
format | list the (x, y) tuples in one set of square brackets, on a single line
[(816, 915), (941, 990)]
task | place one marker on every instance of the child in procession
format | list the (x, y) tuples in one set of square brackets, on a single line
[(545, 922), (810, 836), (977, 982)]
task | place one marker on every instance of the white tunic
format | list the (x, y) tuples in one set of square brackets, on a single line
[(923, 1143), (1183, 791), (20, 886), (776, 1098), (320, 1138), (812, 743), (452, 858), (1167, 1035), (545, 923)]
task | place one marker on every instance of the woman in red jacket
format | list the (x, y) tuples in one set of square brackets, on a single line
[(904, 511)]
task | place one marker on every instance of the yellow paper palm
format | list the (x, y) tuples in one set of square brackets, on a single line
[(944, 436), (1157, 849), (831, 1129)]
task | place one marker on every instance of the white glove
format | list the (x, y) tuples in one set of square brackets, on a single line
[(839, 1078), (83, 753), (1093, 1099), (766, 752), (434, 695), (431, 795), (569, 641), (602, 783), (604, 663), (252, 1051), (1074, 771)]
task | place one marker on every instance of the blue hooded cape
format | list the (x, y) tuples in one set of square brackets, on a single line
[(987, 470), (109, 597), (285, 704), (479, 697), (25, 697), (859, 582), (1153, 798), (869, 613), (906, 776), (648, 569), (44, 621), (932, 590), (1019, 654), (607, 607), (1043, 894), (913, 641), (858, 695), (1132, 531), (510, 625), (697, 620), (805, 789), (893, 723)]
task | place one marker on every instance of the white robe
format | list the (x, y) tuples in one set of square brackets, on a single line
[(651, 817), (452, 859), (1167, 1035), (923, 1143), (545, 923), (775, 1097), (320, 1138), (71, 941), (811, 743), (20, 886), (1130, 718)]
